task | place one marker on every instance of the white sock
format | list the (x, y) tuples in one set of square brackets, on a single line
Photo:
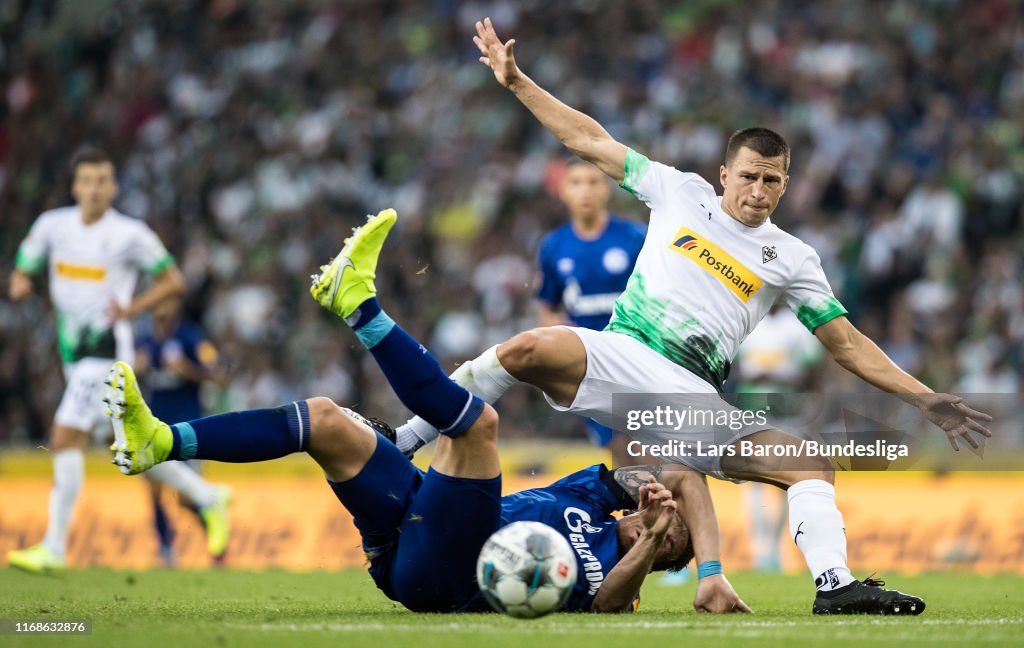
[(818, 530), (186, 481), (68, 475), (406, 438), (483, 376)]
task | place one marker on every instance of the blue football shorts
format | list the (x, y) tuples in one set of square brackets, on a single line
[(421, 531)]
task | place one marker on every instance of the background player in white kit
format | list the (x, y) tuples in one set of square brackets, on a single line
[(94, 255)]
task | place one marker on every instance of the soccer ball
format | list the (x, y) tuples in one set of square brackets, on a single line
[(526, 570)]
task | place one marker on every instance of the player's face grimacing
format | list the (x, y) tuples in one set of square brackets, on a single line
[(94, 188), (585, 190), (752, 186)]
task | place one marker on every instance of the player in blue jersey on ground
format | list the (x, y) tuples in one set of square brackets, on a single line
[(176, 357), (584, 267), (422, 532)]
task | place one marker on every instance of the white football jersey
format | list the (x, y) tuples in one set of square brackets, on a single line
[(90, 267), (704, 280)]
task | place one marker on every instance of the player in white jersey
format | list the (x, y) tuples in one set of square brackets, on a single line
[(94, 255), (711, 267)]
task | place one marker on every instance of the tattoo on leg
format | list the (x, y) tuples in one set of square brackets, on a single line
[(633, 477)]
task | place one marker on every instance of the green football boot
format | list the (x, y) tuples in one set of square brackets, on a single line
[(36, 559), (218, 524), (347, 281), (141, 440)]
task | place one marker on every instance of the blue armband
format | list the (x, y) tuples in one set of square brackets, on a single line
[(709, 568)]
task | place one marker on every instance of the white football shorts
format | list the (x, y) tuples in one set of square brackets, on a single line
[(619, 364), (82, 406)]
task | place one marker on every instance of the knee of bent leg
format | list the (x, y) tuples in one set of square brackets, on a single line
[(67, 438), (485, 428), (322, 411), (520, 353), (818, 468), (329, 423), (828, 472), (528, 350)]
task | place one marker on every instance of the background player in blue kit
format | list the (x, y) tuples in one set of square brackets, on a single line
[(422, 532), (176, 357), (584, 267)]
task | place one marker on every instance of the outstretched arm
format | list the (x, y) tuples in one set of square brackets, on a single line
[(579, 132), (856, 353), (690, 490)]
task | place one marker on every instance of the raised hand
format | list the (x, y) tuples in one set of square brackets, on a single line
[(118, 312), (496, 55), (949, 412), (657, 508)]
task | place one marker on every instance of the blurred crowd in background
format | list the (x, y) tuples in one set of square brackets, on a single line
[(253, 135)]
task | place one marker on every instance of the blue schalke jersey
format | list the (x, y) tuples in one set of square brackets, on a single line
[(171, 397), (579, 507), (587, 276)]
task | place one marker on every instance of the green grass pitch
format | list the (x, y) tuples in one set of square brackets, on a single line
[(229, 608)]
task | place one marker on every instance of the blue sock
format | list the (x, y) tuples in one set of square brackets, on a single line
[(242, 437), (414, 374), (360, 321), (163, 525)]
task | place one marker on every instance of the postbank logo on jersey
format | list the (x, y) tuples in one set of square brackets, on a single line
[(80, 272), (712, 259)]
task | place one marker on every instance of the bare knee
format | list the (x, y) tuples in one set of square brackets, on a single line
[(778, 472), (473, 454), (553, 359), (323, 412), (485, 428), (771, 468), (340, 443), (520, 354), (68, 438), (330, 425), (810, 468), (821, 469)]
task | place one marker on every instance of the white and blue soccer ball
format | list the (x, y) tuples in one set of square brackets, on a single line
[(526, 570)]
